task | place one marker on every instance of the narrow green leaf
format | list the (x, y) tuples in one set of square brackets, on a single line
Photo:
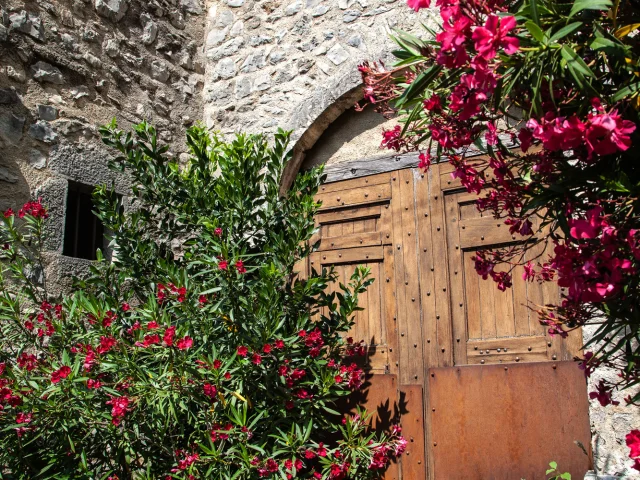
[(581, 5), (564, 31), (575, 61), (536, 31), (420, 84), (534, 12), (626, 91)]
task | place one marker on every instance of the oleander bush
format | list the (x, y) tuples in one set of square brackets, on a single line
[(550, 93), (196, 352)]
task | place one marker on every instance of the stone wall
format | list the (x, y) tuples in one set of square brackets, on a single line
[(68, 66)]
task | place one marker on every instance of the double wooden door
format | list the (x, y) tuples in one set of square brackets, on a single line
[(427, 307)]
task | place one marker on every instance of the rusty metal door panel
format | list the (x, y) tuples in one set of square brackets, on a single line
[(494, 422), (411, 404)]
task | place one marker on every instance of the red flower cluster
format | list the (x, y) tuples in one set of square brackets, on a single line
[(170, 289), (35, 209), (313, 340), (633, 442), (61, 373), (119, 408), (601, 134)]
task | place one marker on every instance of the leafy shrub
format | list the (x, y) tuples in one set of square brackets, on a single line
[(193, 354)]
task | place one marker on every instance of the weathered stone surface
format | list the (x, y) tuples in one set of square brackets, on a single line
[(194, 7), (7, 176), (112, 9), (337, 54), (160, 71), (45, 72), (216, 36), (242, 87), (149, 32), (92, 60), (227, 68), (11, 127), (47, 112), (43, 132), (177, 19), (27, 23), (293, 8), (320, 10), (16, 74), (111, 47), (37, 159), (350, 16), (253, 62), (262, 82), (8, 96)]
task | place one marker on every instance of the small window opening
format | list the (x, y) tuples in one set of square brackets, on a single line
[(83, 231)]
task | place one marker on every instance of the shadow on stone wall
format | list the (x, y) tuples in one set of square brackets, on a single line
[(14, 117)]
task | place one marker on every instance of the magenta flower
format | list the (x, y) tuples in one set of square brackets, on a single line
[(418, 4), (493, 35), (607, 133)]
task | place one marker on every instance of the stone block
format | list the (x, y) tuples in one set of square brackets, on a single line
[(47, 112), (11, 127), (45, 72), (112, 9), (43, 132), (27, 23), (337, 54)]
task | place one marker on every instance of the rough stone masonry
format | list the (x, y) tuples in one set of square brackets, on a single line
[(67, 66)]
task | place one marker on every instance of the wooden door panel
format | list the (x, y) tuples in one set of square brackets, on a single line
[(356, 196), (353, 231), (497, 326)]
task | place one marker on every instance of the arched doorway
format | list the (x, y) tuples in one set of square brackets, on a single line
[(468, 370)]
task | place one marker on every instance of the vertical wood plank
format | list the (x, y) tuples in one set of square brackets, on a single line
[(363, 315), (375, 313), (472, 298), (411, 358), (334, 230), (425, 266), (413, 465), (521, 310), (505, 326), (441, 274), (390, 308), (399, 265), (456, 274), (487, 308), (347, 228), (370, 225), (385, 225)]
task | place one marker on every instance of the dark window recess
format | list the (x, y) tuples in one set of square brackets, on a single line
[(83, 231)]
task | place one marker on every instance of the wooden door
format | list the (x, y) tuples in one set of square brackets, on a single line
[(427, 307), (489, 325)]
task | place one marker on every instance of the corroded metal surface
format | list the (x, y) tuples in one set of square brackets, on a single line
[(508, 421)]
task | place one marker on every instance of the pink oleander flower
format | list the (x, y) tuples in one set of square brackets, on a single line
[(633, 442), (418, 4), (184, 343), (425, 161), (589, 227), (119, 408), (608, 133), (62, 372), (493, 35)]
